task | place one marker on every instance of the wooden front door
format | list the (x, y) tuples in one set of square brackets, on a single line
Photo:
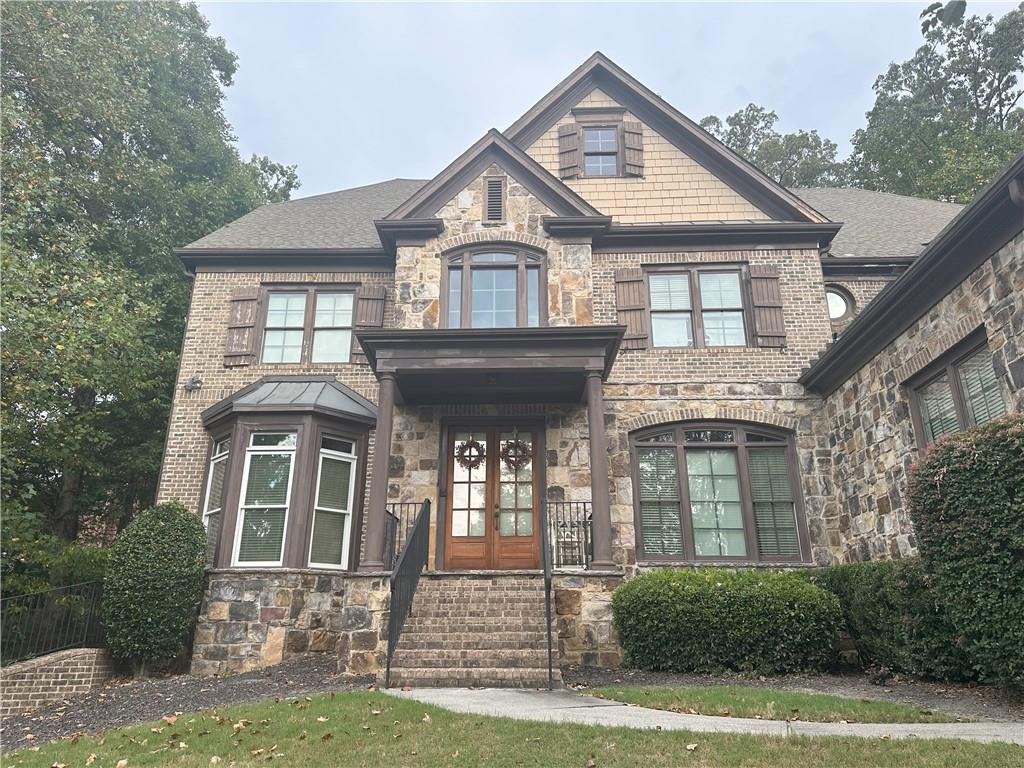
[(493, 505)]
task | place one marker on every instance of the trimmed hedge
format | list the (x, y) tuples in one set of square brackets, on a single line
[(966, 500), (711, 620), (154, 584), (896, 618)]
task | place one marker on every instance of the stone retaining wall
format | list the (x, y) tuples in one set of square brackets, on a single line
[(253, 619), (32, 684)]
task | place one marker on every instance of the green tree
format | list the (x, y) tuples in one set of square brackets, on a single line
[(115, 150), (948, 119), (800, 159)]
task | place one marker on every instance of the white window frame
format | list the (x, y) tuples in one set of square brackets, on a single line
[(240, 524), (215, 458), (352, 459)]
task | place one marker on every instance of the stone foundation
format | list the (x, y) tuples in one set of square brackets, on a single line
[(583, 619), (252, 619), (29, 685)]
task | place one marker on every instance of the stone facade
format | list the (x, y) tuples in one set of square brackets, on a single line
[(583, 619), (252, 619), (29, 685), (869, 423)]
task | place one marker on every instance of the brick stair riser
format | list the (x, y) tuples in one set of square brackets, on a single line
[(481, 677)]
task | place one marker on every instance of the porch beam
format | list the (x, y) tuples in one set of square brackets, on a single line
[(376, 508), (601, 522)]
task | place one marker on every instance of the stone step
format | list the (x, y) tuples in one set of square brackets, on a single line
[(479, 677), (474, 627), (513, 658), (509, 638)]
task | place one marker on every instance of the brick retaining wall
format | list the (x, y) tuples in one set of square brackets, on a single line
[(35, 683)]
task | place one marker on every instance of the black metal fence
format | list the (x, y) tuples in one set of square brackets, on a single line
[(51, 620), (404, 579), (399, 521), (569, 533)]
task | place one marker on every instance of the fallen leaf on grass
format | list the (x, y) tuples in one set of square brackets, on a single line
[(322, 719), (303, 735), (90, 759), (425, 718), (156, 730), (591, 763), (170, 719), (327, 736), (121, 764), (59, 765), (214, 760), (691, 747)]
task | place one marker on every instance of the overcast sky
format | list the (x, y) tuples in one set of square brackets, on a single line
[(359, 93)]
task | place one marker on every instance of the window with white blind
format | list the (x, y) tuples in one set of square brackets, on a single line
[(958, 391), (697, 307), (332, 506), (213, 504), (308, 325), (716, 492), (266, 489)]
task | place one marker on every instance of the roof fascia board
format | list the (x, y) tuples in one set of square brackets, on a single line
[(807, 234), (285, 259), (864, 267), (970, 239)]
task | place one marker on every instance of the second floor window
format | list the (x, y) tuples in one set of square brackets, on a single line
[(697, 308), (308, 326), (601, 151), (494, 289)]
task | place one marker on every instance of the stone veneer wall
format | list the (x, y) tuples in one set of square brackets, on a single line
[(256, 618), (32, 684), (869, 415), (583, 619)]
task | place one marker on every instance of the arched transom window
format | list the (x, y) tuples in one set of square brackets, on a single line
[(717, 492), (494, 288)]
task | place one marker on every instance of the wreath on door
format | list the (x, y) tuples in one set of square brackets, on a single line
[(470, 454), (516, 454)]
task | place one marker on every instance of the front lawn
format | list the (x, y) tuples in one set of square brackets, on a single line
[(372, 729), (767, 704)]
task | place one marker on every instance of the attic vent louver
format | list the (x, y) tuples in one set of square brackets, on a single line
[(494, 198)]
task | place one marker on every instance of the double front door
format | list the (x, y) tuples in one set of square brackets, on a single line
[(493, 501)]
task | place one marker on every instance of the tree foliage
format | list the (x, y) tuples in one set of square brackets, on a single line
[(115, 151), (947, 120), (800, 159)]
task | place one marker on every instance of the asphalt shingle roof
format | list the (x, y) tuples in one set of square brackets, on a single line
[(875, 224), (879, 223)]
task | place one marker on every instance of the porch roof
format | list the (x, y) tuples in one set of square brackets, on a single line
[(315, 394), (501, 365)]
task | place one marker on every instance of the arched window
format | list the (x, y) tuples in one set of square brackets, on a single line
[(840, 303), (494, 287), (707, 492)]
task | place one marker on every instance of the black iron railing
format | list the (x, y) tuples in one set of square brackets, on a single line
[(569, 533), (51, 620), (405, 576), (398, 522), (545, 548)]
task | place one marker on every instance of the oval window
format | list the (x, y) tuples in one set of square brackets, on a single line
[(838, 304)]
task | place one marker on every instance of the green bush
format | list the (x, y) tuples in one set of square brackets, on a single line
[(896, 618), (76, 564), (966, 500), (710, 620), (153, 585)]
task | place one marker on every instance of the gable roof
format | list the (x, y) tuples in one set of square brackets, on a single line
[(879, 224), (335, 220), (490, 149), (993, 218), (601, 72)]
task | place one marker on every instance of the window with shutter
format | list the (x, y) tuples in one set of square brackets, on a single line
[(633, 150), (769, 323), (494, 199), (957, 391), (568, 151), (369, 313), (266, 489), (697, 307), (631, 306), (239, 346), (716, 492)]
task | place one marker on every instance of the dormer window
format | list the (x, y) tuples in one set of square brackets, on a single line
[(600, 143), (494, 289)]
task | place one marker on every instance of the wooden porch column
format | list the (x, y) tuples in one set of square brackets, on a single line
[(376, 508), (600, 502)]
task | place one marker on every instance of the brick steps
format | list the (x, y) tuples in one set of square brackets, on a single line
[(475, 630)]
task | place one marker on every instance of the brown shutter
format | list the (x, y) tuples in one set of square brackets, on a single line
[(769, 324), (634, 141), (631, 303), (568, 151), (241, 339), (369, 313)]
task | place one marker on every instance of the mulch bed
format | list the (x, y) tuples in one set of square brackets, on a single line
[(971, 702), (126, 701)]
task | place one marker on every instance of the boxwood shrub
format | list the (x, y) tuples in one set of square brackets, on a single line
[(153, 585), (896, 618), (966, 501), (712, 620)]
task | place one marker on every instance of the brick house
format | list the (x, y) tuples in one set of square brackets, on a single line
[(597, 342)]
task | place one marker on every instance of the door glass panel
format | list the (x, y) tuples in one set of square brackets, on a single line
[(515, 483), (469, 478), (713, 481)]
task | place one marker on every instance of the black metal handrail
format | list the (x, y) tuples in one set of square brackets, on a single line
[(404, 579), (400, 517), (50, 620), (545, 558), (569, 524)]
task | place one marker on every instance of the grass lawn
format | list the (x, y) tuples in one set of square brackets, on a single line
[(739, 701), (367, 729)]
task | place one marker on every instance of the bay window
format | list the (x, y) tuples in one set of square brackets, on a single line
[(213, 501), (266, 486), (332, 506)]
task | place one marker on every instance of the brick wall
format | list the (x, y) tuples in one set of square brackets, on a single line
[(862, 292), (32, 684), (674, 187), (869, 415)]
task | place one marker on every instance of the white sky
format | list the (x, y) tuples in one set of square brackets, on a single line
[(355, 93)]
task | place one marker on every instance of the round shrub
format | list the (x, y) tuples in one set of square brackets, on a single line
[(966, 500), (711, 620), (153, 585)]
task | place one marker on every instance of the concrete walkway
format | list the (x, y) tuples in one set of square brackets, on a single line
[(570, 707)]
